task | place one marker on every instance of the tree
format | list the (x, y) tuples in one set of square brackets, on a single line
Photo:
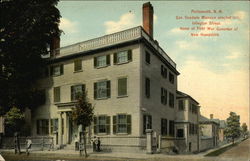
[(244, 129), (233, 126), (26, 30), (14, 121), (82, 115)]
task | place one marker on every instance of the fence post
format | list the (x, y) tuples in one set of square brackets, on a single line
[(149, 141), (159, 144)]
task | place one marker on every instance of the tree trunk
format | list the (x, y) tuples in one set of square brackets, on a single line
[(85, 147)]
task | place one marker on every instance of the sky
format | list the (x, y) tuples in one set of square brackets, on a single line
[(214, 70)]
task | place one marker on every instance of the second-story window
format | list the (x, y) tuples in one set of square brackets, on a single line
[(164, 96), (148, 57), (123, 57), (57, 94), (171, 78), (76, 91), (181, 105), (78, 65), (122, 87), (171, 99), (101, 61), (102, 89), (147, 87), (56, 70)]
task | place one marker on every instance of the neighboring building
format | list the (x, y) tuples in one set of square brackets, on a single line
[(187, 122), (209, 129), (130, 80), (222, 128)]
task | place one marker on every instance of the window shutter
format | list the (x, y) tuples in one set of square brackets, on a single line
[(162, 70), (150, 121), (129, 55), (144, 124), (83, 88), (72, 93), (95, 62), (108, 89), (114, 124), (37, 127), (51, 70), (108, 59), (129, 124), (61, 69), (162, 95), (95, 125), (115, 58), (95, 90), (108, 124)]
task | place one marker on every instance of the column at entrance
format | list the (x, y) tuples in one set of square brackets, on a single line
[(65, 126), (60, 139)]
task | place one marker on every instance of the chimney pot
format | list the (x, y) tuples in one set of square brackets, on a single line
[(148, 18)]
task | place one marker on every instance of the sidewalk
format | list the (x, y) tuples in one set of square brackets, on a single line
[(66, 154)]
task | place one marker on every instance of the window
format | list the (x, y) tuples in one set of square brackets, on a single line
[(123, 57), (171, 78), (76, 91), (164, 126), (57, 94), (164, 72), (78, 65), (102, 61), (102, 124), (148, 57), (147, 123), (122, 124), (56, 70), (164, 96), (147, 87), (194, 108), (42, 127), (171, 100), (53, 125), (102, 89), (180, 133), (181, 105), (122, 86), (193, 128), (171, 127)]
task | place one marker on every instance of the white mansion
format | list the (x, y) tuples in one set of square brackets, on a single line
[(131, 82)]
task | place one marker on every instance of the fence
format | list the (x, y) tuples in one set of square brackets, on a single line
[(38, 142)]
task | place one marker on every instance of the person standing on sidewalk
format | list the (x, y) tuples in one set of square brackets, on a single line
[(29, 143)]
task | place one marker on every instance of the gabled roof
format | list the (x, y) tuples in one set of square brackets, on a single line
[(184, 95)]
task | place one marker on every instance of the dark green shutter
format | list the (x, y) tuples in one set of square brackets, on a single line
[(72, 91), (129, 55), (83, 88), (95, 125), (144, 124), (95, 90), (61, 69), (114, 125), (51, 70), (108, 59), (95, 62), (108, 89), (108, 124), (129, 124), (115, 58), (37, 127)]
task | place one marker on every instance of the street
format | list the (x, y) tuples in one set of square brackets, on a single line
[(239, 152)]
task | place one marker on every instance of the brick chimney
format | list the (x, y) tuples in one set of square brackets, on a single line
[(148, 19), (55, 44), (211, 116)]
